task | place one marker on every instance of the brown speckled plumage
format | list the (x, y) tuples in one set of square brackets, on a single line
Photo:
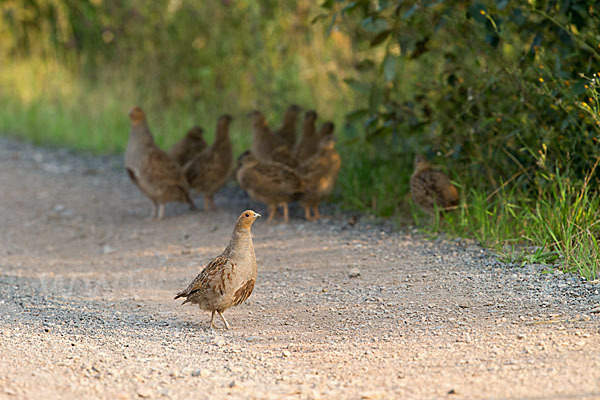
[(284, 155), (271, 183), (319, 173), (431, 188), (156, 175), (192, 144), (210, 169), (227, 280)]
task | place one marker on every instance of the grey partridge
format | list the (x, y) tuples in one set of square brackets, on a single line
[(209, 170), (319, 173), (156, 175), (431, 189), (228, 279), (192, 144), (272, 183)]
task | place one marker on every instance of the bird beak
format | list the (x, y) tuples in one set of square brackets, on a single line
[(257, 215)]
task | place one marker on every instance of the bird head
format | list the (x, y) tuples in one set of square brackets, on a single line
[(246, 219), (311, 115), (256, 115), (246, 158), (225, 119), (327, 128), (137, 115), (195, 132), (293, 111)]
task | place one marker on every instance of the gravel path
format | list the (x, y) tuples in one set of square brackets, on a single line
[(338, 311)]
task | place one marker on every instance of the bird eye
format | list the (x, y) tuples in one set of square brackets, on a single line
[(247, 215)]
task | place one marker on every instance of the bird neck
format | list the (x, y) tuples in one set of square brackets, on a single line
[(141, 132), (261, 127), (289, 120), (309, 128), (241, 238)]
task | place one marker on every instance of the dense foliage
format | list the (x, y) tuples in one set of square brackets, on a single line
[(202, 58), (497, 86)]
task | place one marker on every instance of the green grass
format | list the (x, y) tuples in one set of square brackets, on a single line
[(560, 229), (41, 102)]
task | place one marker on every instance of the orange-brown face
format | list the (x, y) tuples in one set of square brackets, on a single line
[(247, 218), (136, 114)]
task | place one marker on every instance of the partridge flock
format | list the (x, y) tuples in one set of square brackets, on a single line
[(277, 170)]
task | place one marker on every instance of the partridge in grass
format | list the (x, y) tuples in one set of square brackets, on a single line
[(431, 188), (156, 175), (264, 142), (288, 129), (191, 145), (309, 143), (228, 280), (210, 169), (319, 174), (272, 183)]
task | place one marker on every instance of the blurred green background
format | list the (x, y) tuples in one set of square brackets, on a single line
[(502, 95), (72, 69)]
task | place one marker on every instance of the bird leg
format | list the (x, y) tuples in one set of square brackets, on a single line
[(316, 213), (286, 217), (224, 320), (154, 212), (272, 211), (212, 319), (161, 212), (209, 203), (190, 202), (307, 213)]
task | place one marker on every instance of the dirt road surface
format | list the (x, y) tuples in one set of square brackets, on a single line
[(87, 309)]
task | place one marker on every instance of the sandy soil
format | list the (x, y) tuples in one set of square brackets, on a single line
[(86, 309)]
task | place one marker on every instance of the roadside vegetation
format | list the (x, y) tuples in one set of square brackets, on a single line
[(504, 96)]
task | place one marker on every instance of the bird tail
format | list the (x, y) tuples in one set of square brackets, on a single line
[(180, 294)]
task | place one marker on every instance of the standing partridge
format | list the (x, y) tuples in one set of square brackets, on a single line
[(156, 175), (210, 169), (228, 279)]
